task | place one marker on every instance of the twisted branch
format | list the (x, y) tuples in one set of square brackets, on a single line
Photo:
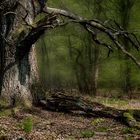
[(112, 33)]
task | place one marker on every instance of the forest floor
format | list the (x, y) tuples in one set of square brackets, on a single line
[(40, 124)]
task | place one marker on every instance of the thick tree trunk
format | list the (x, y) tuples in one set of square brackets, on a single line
[(18, 68)]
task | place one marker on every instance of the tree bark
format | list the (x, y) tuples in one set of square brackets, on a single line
[(125, 13), (99, 12), (18, 69)]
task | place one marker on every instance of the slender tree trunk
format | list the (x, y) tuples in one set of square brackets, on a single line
[(125, 9), (128, 83), (98, 12), (96, 70)]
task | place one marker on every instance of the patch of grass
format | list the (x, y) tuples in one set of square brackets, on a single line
[(129, 118), (128, 138), (4, 102), (126, 130), (102, 129), (27, 124), (135, 131), (113, 102), (87, 133), (70, 138), (5, 112), (97, 121)]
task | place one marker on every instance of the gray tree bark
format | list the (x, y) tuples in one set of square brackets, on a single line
[(18, 68)]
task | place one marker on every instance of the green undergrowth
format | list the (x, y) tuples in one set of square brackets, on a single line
[(26, 124), (129, 118), (97, 121), (117, 102), (102, 129), (70, 138), (128, 130), (132, 118), (5, 113), (87, 133), (83, 133), (112, 101), (128, 138)]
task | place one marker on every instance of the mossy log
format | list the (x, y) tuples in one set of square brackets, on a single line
[(65, 103), (132, 118)]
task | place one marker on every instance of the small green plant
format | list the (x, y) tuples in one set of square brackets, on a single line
[(6, 112), (87, 133), (97, 121), (27, 124), (70, 138), (102, 129), (135, 131), (126, 130), (129, 119), (128, 138)]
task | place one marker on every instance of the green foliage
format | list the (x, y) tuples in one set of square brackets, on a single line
[(115, 102), (87, 133), (5, 112), (127, 137), (97, 121), (135, 131), (126, 130), (27, 124), (129, 118), (58, 66), (70, 138), (102, 129)]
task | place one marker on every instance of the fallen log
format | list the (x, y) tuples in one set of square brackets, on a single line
[(65, 103)]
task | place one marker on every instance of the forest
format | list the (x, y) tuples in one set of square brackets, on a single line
[(69, 70)]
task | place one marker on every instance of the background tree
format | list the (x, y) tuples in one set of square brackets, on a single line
[(124, 13)]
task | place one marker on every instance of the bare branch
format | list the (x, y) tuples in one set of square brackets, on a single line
[(112, 33), (94, 37), (7, 13)]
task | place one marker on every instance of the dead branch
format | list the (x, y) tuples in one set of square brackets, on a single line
[(112, 33), (65, 103)]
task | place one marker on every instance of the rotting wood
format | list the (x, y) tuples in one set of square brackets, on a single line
[(65, 103)]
